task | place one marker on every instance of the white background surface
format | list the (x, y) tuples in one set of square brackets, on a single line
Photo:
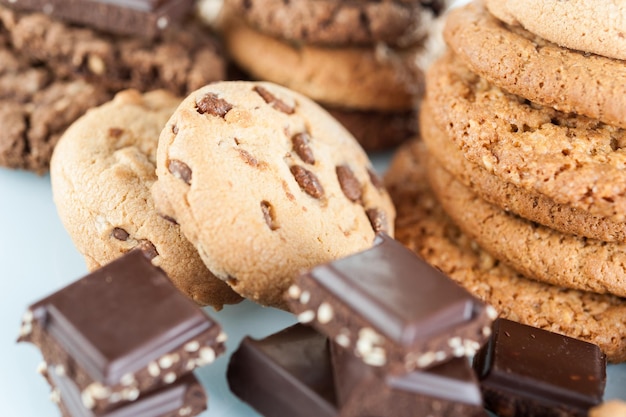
[(37, 257)]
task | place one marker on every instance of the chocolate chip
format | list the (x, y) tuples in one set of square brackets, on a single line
[(175, 129), (115, 132), (180, 170), (168, 218), (273, 100), (148, 249), (120, 234), (378, 219), (301, 147), (348, 182), (214, 105), (307, 181), (375, 179), (248, 158), (269, 215)]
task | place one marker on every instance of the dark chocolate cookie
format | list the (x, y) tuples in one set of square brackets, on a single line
[(341, 22)]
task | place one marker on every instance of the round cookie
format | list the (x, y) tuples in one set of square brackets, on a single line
[(598, 27), (361, 78), (340, 22), (570, 159), (101, 172), (540, 71), (536, 251), (266, 184), (527, 204), (612, 408), (422, 225)]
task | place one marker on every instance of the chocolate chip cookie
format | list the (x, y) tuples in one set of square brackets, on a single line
[(265, 184), (102, 170)]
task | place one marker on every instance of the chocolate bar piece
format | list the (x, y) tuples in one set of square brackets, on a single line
[(526, 371), (145, 18), (285, 374), (449, 389), (391, 308), (120, 331), (185, 397)]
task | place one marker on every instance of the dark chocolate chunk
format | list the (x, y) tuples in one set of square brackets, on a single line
[(185, 397), (180, 170), (307, 181), (122, 330), (301, 147), (392, 308), (212, 104), (348, 182), (285, 374), (526, 371), (273, 101), (446, 390), (146, 18)]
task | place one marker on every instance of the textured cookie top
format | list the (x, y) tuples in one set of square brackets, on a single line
[(528, 204), (569, 158), (101, 173), (540, 71), (591, 26), (340, 22), (265, 184), (422, 225)]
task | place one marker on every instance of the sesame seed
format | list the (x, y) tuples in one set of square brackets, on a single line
[(376, 357), (127, 379), (59, 370), (486, 331), (454, 342), (55, 396), (153, 369), (169, 377), (305, 297), (207, 356), (42, 368), (87, 399), (185, 411), (294, 292), (306, 316), (492, 313), (425, 360), (342, 340), (131, 394), (324, 313), (222, 337), (192, 346)]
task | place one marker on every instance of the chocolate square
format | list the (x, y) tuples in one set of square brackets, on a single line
[(526, 371), (122, 330), (391, 308)]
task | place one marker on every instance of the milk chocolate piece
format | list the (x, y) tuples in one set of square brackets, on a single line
[(185, 397), (285, 374), (391, 309), (449, 389), (122, 330), (145, 18), (526, 371)]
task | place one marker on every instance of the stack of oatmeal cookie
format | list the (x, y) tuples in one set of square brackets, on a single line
[(523, 134)]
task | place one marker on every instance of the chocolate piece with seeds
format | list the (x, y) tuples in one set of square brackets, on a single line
[(145, 18), (120, 331), (449, 389), (526, 371), (185, 397), (285, 374), (391, 308)]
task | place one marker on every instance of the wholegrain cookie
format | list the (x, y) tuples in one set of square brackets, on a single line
[(361, 78), (101, 173), (536, 251), (598, 27), (538, 70), (181, 60), (571, 159), (265, 183), (340, 22), (422, 225), (530, 205)]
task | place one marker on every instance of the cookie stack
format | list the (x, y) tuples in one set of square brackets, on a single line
[(363, 61), (524, 127), (58, 60)]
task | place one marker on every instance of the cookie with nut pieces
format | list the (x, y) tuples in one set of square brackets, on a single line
[(265, 184), (101, 173)]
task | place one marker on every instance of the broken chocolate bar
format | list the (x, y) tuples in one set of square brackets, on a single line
[(145, 18), (285, 374), (185, 397), (526, 371), (391, 308), (446, 390), (120, 331)]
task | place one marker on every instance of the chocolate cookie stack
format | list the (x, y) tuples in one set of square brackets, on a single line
[(525, 155), (58, 59), (363, 60)]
